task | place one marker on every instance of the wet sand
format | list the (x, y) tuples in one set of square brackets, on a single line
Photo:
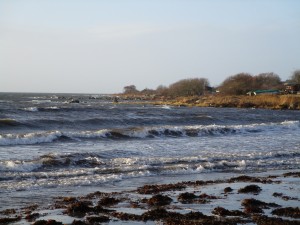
[(266, 198)]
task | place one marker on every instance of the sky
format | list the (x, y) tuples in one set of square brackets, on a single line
[(101, 46)]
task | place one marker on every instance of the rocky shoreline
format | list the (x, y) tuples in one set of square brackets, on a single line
[(240, 199)]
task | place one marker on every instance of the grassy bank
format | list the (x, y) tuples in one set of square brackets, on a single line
[(263, 101)]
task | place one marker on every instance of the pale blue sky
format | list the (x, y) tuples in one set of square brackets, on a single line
[(100, 46)]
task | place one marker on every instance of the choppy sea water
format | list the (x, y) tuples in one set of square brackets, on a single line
[(50, 146)]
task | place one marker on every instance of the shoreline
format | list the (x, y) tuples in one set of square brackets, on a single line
[(275, 102), (259, 198)]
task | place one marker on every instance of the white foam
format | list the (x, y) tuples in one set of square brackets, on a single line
[(291, 124), (88, 134), (31, 109), (69, 178), (29, 138), (40, 101), (18, 166), (137, 133), (52, 107), (200, 168), (108, 170), (166, 107)]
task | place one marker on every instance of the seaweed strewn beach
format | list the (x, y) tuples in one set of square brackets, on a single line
[(241, 199)]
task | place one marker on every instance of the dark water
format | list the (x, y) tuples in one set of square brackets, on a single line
[(49, 145)]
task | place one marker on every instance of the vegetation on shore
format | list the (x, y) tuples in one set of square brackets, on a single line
[(262, 101), (277, 102), (231, 93), (238, 84)]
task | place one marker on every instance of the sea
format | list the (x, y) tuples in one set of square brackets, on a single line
[(69, 144)]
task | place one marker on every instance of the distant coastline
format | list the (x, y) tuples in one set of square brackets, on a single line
[(276, 102)]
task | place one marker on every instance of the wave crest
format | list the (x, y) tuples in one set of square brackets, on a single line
[(145, 132), (29, 138)]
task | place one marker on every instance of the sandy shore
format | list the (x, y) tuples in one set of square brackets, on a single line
[(267, 198)]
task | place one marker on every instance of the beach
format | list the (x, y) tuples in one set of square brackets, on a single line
[(243, 199)]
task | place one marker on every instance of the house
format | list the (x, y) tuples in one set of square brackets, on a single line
[(291, 88)]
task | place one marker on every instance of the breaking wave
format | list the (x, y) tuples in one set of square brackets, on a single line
[(96, 168), (30, 138), (142, 132), (100, 163)]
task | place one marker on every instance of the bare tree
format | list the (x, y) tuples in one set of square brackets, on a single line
[(238, 84), (296, 76), (188, 87), (131, 89), (148, 91), (162, 90), (267, 81)]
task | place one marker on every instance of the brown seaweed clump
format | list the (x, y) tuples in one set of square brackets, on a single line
[(245, 178), (161, 214), (258, 203), (206, 196), (158, 214), (31, 217), (288, 211), (195, 216), (30, 208), (8, 211), (227, 190), (6, 220), (108, 201), (159, 200), (253, 206), (250, 189), (69, 199), (155, 189), (206, 220), (253, 210), (95, 195), (97, 219), (78, 222), (220, 211), (47, 222), (265, 220), (284, 197), (79, 209), (292, 174), (186, 197)]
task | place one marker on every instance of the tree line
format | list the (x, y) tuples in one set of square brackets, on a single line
[(238, 84)]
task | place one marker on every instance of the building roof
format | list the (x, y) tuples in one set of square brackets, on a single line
[(265, 91)]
